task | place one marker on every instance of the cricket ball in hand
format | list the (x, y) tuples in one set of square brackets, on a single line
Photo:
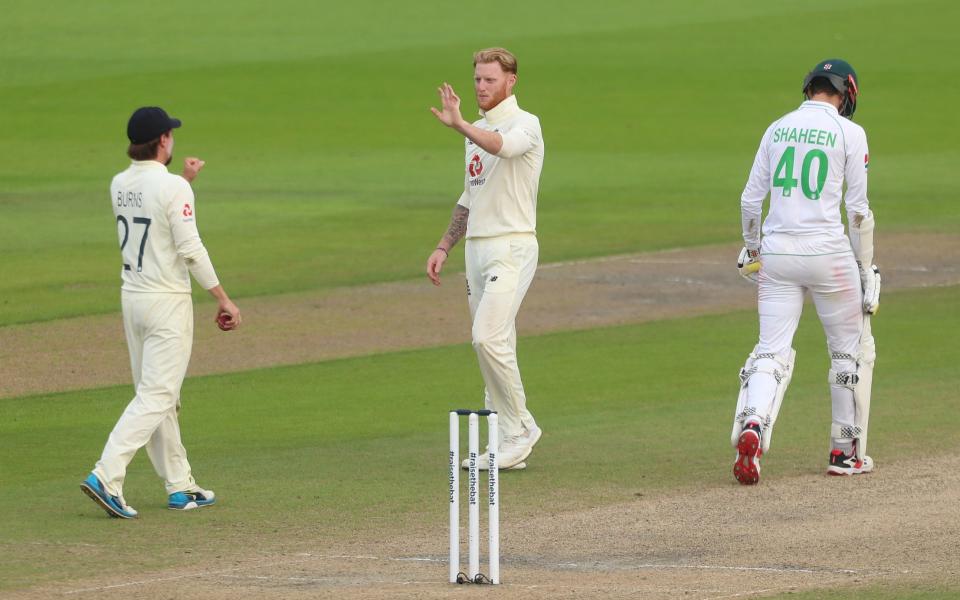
[(223, 322)]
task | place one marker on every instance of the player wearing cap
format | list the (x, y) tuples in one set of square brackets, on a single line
[(160, 247), (804, 161), (497, 213)]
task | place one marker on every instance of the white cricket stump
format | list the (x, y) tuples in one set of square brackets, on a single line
[(473, 504), (493, 497), (454, 496), (473, 574)]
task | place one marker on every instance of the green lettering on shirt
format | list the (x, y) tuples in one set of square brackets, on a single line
[(820, 137)]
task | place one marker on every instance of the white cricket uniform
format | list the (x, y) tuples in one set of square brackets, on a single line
[(160, 247), (501, 251), (803, 162)]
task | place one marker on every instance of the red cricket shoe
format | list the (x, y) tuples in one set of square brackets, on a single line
[(747, 467)]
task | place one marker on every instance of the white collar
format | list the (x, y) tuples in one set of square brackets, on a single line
[(819, 104), (501, 112), (148, 164)]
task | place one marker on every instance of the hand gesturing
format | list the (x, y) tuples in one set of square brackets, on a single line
[(449, 114), (191, 167)]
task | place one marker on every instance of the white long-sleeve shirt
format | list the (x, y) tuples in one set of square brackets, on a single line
[(157, 229), (803, 161), (500, 190)]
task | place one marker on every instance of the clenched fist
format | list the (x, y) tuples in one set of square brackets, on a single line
[(191, 167)]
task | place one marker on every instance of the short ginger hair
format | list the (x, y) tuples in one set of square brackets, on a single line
[(506, 59)]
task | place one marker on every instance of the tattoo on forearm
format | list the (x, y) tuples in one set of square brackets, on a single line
[(458, 225)]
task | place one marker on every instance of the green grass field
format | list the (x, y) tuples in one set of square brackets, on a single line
[(305, 429), (325, 169), (323, 157)]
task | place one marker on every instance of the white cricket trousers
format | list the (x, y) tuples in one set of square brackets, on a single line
[(159, 331), (834, 284), (499, 273)]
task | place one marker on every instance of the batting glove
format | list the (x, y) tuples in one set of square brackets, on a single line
[(870, 282), (748, 263)]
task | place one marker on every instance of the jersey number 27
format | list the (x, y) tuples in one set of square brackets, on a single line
[(126, 237)]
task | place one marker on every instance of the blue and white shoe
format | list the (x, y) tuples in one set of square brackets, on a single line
[(190, 500), (114, 505)]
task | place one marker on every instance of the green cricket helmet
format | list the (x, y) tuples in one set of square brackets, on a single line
[(843, 79)]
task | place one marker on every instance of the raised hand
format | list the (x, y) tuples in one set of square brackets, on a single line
[(191, 167), (449, 114)]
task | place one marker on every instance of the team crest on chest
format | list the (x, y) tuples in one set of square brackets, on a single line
[(475, 167)]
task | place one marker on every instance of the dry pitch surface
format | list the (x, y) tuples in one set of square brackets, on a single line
[(797, 534), (897, 526)]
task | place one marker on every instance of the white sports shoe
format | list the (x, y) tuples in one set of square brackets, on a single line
[(483, 463), (534, 435), (842, 464), (513, 451), (516, 448)]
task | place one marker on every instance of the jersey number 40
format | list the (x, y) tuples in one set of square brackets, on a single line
[(783, 175)]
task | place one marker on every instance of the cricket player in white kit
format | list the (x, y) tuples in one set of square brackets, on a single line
[(804, 161), (160, 247), (497, 213)]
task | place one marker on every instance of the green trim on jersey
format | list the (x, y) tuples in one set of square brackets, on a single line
[(762, 254), (840, 125)]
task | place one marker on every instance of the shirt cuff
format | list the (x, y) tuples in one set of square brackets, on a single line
[(202, 270)]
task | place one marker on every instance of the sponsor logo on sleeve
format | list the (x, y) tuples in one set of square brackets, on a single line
[(187, 212), (866, 162)]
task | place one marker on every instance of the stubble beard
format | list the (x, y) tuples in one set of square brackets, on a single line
[(495, 99)]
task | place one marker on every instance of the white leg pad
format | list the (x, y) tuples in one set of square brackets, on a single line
[(861, 383), (782, 373)]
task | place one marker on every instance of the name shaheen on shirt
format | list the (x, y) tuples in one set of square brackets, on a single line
[(810, 161)]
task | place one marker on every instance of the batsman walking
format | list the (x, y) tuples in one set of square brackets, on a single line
[(160, 247), (804, 161), (497, 213)]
